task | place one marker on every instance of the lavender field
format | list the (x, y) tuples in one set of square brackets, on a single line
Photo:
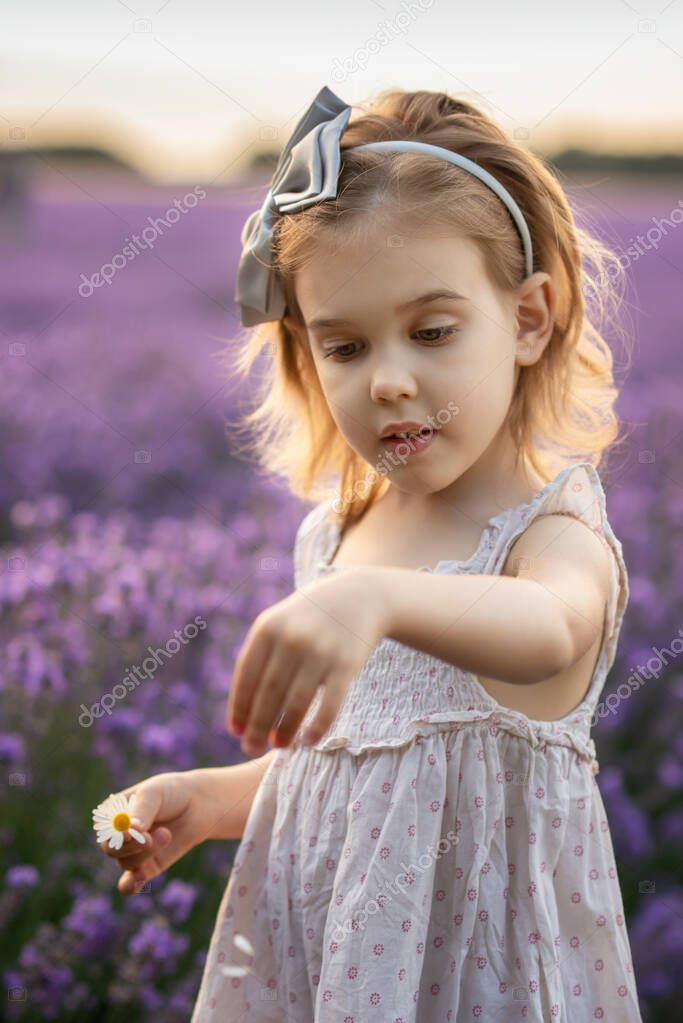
[(125, 514)]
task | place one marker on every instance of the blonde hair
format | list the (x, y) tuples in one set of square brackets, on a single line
[(562, 410)]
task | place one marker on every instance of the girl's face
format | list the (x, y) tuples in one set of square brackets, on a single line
[(390, 345)]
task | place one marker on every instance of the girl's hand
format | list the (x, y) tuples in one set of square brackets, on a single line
[(322, 634), (172, 821)]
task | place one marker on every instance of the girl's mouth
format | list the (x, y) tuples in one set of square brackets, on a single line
[(414, 444)]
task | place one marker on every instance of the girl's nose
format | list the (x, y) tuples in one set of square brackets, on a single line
[(391, 382)]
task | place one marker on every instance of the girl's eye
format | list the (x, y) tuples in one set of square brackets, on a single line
[(339, 348), (442, 333)]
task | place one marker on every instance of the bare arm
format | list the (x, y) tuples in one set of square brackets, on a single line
[(227, 794), (520, 628)]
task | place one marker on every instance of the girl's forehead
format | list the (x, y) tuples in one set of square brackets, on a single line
[(391, 262), (359, 240)]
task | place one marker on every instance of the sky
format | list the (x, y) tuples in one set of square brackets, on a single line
[(190, 89)]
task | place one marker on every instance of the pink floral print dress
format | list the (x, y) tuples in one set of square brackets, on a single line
[(436, 856)]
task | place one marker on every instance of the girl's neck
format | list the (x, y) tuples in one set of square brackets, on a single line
[(495, 482)]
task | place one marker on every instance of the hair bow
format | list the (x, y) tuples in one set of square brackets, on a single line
[(306, 173)]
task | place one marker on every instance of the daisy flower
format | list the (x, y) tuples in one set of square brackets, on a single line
[(245, 946), (111, 819)]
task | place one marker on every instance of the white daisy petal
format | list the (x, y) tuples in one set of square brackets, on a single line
[(137, 835), (243, 944), (235, 971), (116, 840)]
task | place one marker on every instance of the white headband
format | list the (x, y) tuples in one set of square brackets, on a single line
[(307, 173)]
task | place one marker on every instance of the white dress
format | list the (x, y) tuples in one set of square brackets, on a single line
[(436, 856)]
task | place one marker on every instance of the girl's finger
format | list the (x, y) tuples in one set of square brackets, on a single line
[(333, 692), (160, 839), (145, 806), (267, 702), (129, 847), (300, 696), (131, 882), (245, 678)]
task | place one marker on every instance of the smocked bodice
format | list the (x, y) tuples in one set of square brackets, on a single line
[(401, 692)]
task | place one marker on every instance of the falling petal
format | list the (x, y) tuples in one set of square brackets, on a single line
[(235, 971), (243, 944)]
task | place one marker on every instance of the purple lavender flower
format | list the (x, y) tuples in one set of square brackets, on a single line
[(11, 748), (24, 875), (155, 941), (178, 898)]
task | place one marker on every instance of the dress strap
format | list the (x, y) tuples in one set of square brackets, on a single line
[(576, 491), (311, 542)]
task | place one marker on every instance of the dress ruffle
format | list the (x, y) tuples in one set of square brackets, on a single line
[(510, 721)]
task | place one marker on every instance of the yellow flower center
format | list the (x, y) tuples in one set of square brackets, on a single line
[(121, 821)]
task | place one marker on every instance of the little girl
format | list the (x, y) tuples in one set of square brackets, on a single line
[(429, 842)]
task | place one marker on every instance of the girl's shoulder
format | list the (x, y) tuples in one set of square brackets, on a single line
[(577, 491)]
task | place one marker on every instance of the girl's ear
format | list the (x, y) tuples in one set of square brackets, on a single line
[(535, 317)]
